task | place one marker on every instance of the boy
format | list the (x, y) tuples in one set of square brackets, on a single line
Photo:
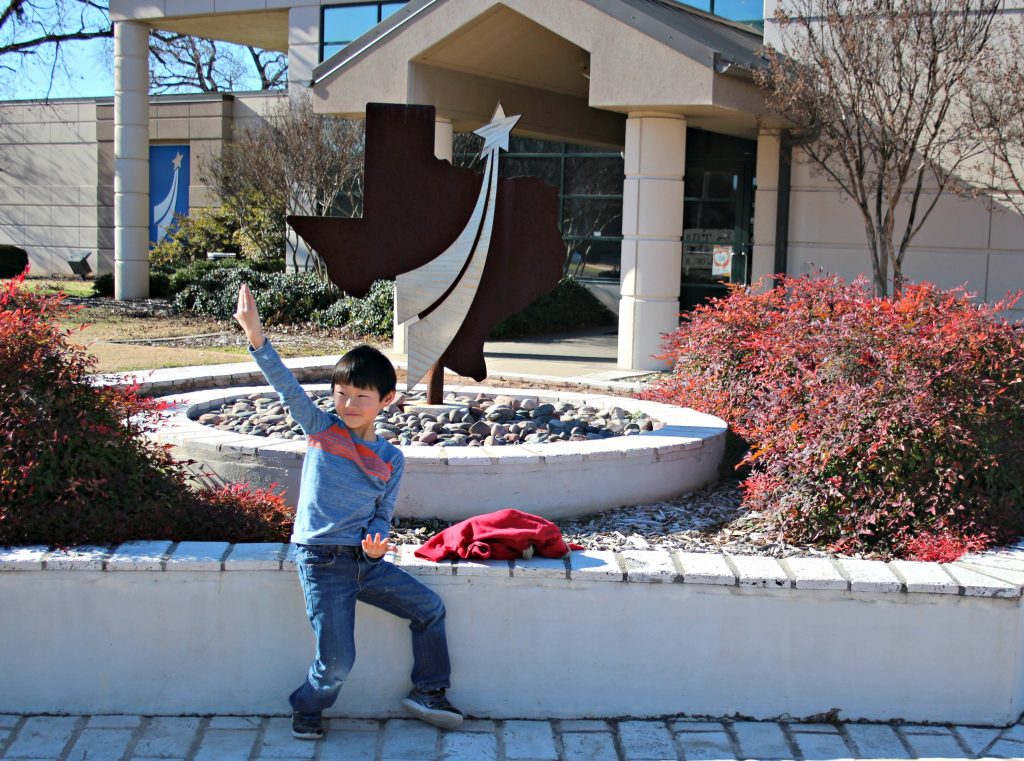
[(350, 480)]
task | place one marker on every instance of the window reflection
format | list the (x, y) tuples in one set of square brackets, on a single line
[(343, 23), (745, 11), (589, 183)]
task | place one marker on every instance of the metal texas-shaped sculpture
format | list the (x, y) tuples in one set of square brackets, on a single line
[(466, 252)]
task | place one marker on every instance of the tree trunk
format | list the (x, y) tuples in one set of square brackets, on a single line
[(879, 261)]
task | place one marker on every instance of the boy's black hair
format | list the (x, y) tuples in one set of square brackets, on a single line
[(365, 367)]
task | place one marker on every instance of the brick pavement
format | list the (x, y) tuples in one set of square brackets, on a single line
[(255, 738)]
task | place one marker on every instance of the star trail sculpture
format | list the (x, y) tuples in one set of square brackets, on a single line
[(466, 251)]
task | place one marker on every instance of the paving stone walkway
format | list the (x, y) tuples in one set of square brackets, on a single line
[(253, 738)]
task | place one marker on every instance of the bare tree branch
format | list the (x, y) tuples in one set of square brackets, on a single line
[(271, 67), (38, 29), (294, 160), (876, 92), (999, 113)]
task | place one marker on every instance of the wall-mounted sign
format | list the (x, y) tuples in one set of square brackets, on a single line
[(721, 261), (168, 188)]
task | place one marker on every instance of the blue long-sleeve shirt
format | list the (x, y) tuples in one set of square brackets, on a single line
[(349, 485)]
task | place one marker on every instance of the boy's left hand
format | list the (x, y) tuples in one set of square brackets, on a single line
[(375, 547)]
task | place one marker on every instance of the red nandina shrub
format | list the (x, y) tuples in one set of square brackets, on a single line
[(871, 421), (945, 547), (247, 514), (75, 467)]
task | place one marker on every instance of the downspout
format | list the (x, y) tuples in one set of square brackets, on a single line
[(782, 205)]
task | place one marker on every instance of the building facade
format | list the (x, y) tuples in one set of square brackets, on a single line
[(672, 178)]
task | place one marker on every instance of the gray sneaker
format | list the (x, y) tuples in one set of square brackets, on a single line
[(433, 708), (307, 726)]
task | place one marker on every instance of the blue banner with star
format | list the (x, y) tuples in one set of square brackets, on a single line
[(168, 188)]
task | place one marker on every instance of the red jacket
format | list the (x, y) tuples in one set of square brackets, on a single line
[(501, 535)]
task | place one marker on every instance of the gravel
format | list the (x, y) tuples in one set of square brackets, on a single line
[(474, 420), (704, 520)]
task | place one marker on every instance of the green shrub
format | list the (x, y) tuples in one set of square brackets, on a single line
[(159, 285), (103, 285), (570, 306), (374, 314), (75, 465), (209, 229), (282, 298), (181, 278), (336, 315), (893, 426), (13, 260), (262, 233)]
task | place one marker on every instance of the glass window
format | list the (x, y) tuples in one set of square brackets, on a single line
[(596, 259), (544, 168), (589, 182), (592, 175), (745, 11), (344, 23), (532, 145), (330, 50), (595, 217), (739, 10), (721, 185)]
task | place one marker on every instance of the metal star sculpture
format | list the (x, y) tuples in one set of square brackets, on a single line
[(466, 252)]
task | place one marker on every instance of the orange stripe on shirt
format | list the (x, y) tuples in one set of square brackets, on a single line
[(337, 441)]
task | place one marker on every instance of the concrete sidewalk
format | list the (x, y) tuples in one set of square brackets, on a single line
[(253, 738), (580, 356)]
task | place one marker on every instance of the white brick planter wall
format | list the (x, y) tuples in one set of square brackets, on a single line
[(206, 627)]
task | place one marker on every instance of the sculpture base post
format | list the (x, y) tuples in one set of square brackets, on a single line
[(435, 384)]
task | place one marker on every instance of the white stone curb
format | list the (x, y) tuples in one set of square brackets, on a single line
[(964, 578), (174, 379)]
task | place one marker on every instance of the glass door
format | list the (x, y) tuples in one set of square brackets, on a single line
[(718, 216)]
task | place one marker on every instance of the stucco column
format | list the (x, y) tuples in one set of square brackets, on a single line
[(444, 136), (652, 227), (131, 160), (766, 204)]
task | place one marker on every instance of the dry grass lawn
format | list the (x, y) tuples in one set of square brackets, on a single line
[(123, 340)]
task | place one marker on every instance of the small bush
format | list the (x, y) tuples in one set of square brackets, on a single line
[(570, 306), (209, 229), (873, 423), (245, 514), (75, 464), (943, 546), (282, 298), (181, 278), (336, 315), (374, 314), (13, 260), (159, 285), (103, 285)]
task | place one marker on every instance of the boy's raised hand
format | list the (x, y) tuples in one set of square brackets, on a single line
[(248, 317), (375, 547)]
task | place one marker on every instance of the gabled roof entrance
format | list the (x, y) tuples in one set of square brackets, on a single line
[(573, 68)]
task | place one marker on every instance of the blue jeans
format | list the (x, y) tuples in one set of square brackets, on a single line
[(333, 577)]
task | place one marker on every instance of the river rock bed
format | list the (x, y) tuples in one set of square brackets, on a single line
[(477, 420)]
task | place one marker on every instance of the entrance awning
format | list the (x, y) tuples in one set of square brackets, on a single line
[(573, 68)]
